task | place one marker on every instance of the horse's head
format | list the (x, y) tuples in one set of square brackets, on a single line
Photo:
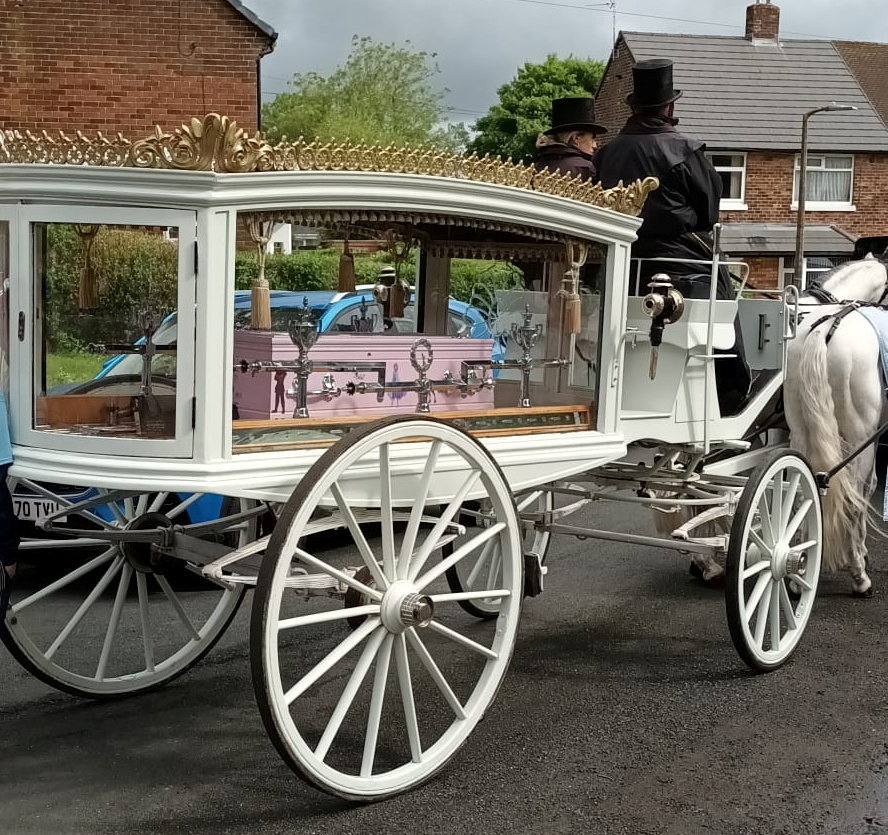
[(865, 281)]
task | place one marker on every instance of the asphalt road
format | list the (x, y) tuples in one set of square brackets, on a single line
[(626, 710)]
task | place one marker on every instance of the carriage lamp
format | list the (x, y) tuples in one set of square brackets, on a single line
[(665, 305)]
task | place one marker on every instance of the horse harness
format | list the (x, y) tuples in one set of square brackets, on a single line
[(825, 297)]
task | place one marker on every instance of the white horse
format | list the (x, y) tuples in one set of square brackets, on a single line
[(834, 397)]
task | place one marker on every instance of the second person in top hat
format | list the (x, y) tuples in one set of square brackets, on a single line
[(569, 144)]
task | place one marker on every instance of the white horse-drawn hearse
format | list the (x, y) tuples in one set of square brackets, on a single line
[(394, 516)]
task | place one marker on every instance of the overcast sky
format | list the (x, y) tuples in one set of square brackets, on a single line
[(481, 43)]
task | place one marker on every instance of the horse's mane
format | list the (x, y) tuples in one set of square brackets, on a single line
[(832, 280)]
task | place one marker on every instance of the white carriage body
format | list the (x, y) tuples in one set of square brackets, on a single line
[(203, 207)]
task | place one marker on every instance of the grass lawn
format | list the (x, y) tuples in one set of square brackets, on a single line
[(72, 368)]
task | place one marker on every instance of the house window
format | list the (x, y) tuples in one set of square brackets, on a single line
[(828, 184), (815, 268), (731, 168)]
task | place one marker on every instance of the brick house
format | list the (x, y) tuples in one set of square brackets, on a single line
[(126, 65), (745, 97)]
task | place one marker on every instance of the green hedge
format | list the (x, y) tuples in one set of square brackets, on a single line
[(137, 270), (319, 270)]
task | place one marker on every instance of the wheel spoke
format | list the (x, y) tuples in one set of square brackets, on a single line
[(777, 504), (786, 604), (462, 640), (482, 594), (342, 576), (419, 558), (405, 685), (145, 620), (485, 554), (755, 568), (797, 578), (416, 512), (436, 674), (385, 504), (177, 605), (84, 607), (377, 700), (360, 540), (180, 508), (461, 552), (755, 597), (528, 500), (328, 617), (64, 581), (355, 680), (797, 519), (774, 610), (760, 543), (158, 501), (122, 588), (762, 617), (789, 499), (331, 660), (765, 516)]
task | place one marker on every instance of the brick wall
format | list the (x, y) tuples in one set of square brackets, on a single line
[(610, 101), (126, 65)]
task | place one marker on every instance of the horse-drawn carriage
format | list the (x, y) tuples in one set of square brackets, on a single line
[(394, 517)]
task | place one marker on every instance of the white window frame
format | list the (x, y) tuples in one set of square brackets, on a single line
[(731, 203), (786, 270), (25, 352), (823, 205)]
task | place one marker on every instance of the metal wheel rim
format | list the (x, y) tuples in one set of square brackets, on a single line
[(271, 690), (112, 575), (765, 597)]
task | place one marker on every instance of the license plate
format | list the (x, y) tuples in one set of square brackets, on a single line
[(30, 510)]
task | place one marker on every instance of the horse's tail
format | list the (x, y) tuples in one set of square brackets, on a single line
[(845, 503)]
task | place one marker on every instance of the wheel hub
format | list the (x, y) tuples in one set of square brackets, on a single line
[(797, 563), (403, 607), (142, 556), (779, 560)]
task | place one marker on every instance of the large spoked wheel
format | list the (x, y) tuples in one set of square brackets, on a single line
[(773, 562), (104, 620), (483, 569), (370, 691)]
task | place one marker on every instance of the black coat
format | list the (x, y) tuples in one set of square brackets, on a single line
[(564, 158), (679, 216)]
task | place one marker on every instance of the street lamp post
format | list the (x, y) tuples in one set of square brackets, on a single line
[(803, 175)]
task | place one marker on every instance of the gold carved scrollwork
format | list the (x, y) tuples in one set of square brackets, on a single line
[(217, 143)]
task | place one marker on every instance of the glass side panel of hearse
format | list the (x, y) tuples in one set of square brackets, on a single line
[(466, 319), (101, 284)]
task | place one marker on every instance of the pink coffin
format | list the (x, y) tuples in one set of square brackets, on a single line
[(257, 396)]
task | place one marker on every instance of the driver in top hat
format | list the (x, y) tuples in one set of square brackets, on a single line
[(678, 217), (569, 144)]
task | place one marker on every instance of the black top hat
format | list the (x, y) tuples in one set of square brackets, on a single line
[(652, 84), (574, 114)]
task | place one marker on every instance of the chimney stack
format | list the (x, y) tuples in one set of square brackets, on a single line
[(762, 21)]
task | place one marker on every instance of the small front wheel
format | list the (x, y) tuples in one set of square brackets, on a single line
[(773, 562)]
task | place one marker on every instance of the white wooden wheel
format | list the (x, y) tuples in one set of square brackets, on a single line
[(370, 693), (97, 621), (483, 568), (773, 562)]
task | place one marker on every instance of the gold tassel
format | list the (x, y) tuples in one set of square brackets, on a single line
[(572, 304), (260, 298), (88, 288), (346, 270)]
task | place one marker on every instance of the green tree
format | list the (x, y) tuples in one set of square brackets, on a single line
[(383, 94), (511, 127)]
